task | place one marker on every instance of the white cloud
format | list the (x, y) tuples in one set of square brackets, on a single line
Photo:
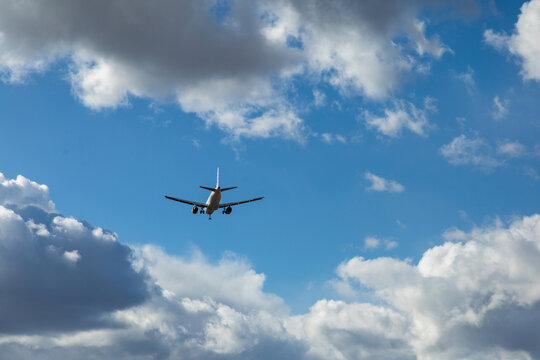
[(330, 138), (231, 281), (99, 233), (498, 41), (68, 225), (327, 138), (532, 173), (469, 151), (371, 242), (404, 115), (380, 184), (38, 229), (232, 67), (523, 42), (459, 292), (350, 42), (337, 330), (24, 192), (468, 79), (72, 256), (500, 107), (512, 148), (319, 98)]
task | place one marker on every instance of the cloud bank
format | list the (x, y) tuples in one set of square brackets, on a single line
[(71, 290)]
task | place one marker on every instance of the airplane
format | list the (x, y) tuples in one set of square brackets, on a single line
[(212, 204)]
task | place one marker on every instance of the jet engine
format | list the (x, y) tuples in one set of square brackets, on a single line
[(195, 210), (228, 210)]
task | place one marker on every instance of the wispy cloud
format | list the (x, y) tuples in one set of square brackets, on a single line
[(390, 244), (500, 107), (463, 150), (468, 79), (378, 183), (331, 138), (403, 115), (372, 243), (512, 148), (319, 98)]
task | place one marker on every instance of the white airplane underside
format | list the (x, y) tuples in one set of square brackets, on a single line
[(213, 202)]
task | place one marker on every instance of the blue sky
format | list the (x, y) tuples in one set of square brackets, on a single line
[(300, 112)]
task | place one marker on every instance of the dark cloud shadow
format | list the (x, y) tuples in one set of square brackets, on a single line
[(42, 289)]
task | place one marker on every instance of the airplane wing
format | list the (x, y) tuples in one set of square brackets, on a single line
[(187, 201), (239, 202)]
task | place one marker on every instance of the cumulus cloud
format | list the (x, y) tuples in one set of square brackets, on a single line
[(381, 184), (57, 275), (404, 115), (460, 292), (231, 282), (463, 150), (350, 41), (231, 63), (337, 330), (24, 192), (523, 42), (70, 290)]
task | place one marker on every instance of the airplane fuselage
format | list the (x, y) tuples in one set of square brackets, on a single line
[(213, 201)]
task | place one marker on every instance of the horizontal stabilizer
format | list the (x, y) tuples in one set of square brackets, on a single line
[(207, 188), (229, 188)]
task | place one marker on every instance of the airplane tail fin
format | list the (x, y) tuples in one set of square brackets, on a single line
[(217, 185)]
